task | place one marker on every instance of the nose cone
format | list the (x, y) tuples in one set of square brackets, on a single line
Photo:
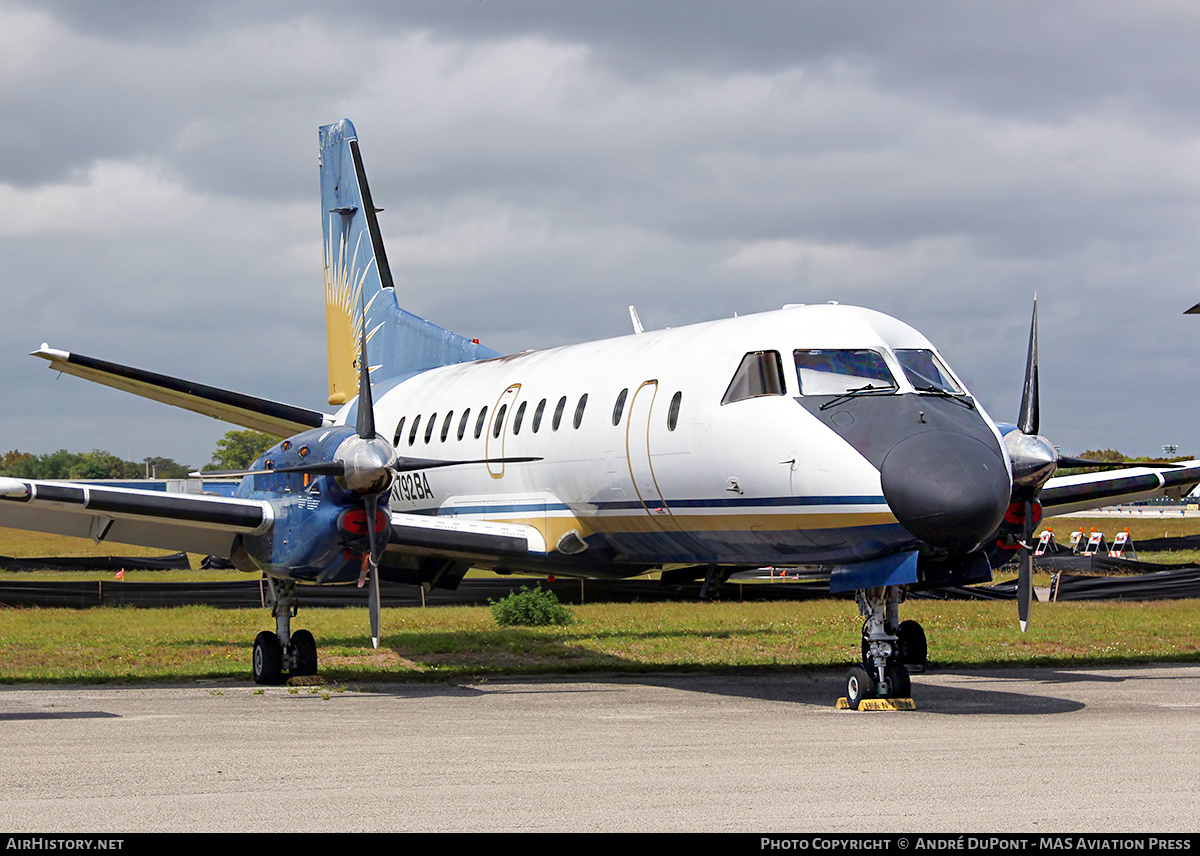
[(949, 489)]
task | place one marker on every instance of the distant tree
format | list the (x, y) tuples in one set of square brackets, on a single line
[(237, 450), (11, 458), (96, 464), (54, 465), (1111, 455), (163, 468)]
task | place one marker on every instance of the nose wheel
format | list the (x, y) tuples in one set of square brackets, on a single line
[(860, 686)]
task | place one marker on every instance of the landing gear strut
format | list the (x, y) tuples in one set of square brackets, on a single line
[(889, 646), (283, 651)]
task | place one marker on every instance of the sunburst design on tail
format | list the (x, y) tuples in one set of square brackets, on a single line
[(345, 273)]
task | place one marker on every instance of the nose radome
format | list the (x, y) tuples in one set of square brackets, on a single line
[(949, 489)]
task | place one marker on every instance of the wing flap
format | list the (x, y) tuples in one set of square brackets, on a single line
[(259, 414)]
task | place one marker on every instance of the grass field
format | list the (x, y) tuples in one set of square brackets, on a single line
[(121, 644), (111, 644)]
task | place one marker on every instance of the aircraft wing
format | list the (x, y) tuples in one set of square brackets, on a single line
[(149, 518), (450, 538), (259, 414), (1068, 494), (208, 525)]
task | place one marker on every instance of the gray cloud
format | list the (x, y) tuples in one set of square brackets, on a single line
[(542, 165)]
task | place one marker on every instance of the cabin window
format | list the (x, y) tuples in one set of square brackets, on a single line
[(619, 407), (462, 423), (412, 432), (480, 422), (673, 411), (558, 412), (925, 371), (446, 425), (537, 415), (760, 373), (399, 431), (518, 418), (499, 421), (429, 426), (579, 409), (838, 371)]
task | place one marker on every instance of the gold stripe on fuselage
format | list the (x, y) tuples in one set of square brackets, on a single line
[(553, 525)]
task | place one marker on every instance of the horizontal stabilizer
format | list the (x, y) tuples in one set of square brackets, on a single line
[(259, 414)]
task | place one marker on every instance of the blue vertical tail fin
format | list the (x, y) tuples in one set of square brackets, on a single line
[(357, 277)]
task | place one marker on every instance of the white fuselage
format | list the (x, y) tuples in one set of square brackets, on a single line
[(670, 475)]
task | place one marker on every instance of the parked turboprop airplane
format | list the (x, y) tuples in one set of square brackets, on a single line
[(813, 435)]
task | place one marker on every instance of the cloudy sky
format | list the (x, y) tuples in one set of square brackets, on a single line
[(545, 164)]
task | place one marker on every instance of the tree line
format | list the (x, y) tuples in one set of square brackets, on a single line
[(235, 451)]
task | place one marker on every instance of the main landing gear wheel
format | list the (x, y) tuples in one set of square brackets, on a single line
[(304, 649), (859, 685), (272, 655), (914, 650), (268, 659)]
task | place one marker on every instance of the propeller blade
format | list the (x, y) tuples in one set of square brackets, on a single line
[(371, 504), (1030, 418), (318, 468), (404, 465), (1025, 574), (373, 607), (365, 423)]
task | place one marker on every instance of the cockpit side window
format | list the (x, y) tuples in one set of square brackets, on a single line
[(836, 371), (760, 373), (925, 371)]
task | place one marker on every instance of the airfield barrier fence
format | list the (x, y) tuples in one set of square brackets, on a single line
[(471, 592), (1098, 577)]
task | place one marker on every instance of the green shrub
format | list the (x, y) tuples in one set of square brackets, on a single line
[(530, 608)]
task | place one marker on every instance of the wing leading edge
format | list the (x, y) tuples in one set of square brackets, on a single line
[(1068, 494), (441, 537), (259, 414)]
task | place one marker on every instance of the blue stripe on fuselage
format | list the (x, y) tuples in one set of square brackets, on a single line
[(626, 505)]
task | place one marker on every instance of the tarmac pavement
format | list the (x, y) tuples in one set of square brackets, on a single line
[(1030, 750)]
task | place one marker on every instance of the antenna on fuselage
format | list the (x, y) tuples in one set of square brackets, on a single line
[(637, 322)]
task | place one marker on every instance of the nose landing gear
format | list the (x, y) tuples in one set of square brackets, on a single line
[(889, 647)]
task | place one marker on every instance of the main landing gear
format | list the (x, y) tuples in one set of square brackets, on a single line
[(889, 648), (283, 651)]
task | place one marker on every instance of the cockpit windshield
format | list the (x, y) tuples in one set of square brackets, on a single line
[(839, 371), (925, 371)]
